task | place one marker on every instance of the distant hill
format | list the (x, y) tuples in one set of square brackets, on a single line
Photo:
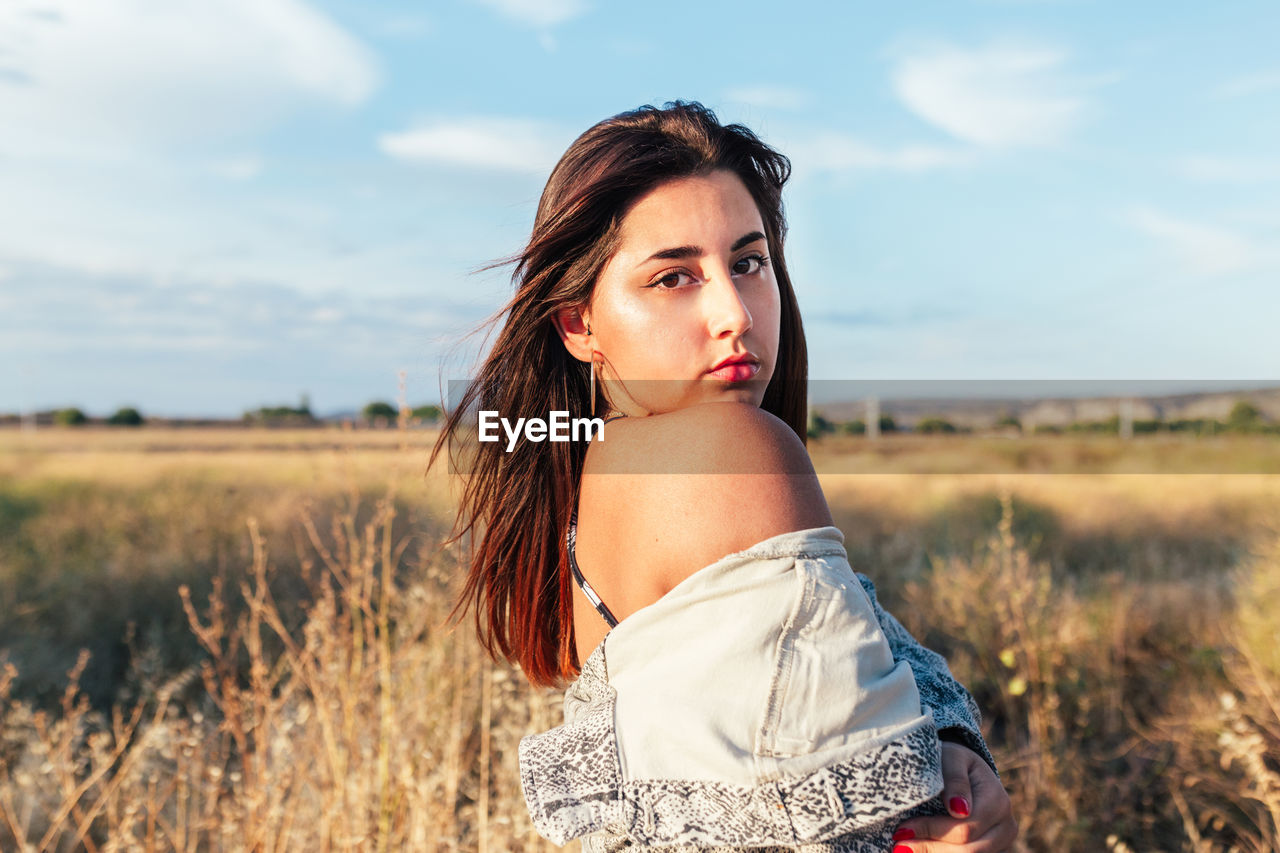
[(1059, 411)]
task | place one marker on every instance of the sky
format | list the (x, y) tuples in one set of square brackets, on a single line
[(208, 206)]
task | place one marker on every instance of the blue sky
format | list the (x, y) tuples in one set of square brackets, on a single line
[(210, 205)]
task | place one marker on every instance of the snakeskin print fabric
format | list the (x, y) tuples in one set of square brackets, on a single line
[(574, 787)]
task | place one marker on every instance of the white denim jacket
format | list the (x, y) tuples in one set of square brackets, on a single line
[(760, 703)]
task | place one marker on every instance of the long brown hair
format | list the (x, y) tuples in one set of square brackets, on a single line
[(518, 505)]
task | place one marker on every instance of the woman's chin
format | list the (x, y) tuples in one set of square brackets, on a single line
[(706, 391), (736, 392)]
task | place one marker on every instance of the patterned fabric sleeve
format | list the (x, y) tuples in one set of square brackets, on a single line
[(955, 714)]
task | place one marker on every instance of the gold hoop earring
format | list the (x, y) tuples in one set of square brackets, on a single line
[(593, 383)]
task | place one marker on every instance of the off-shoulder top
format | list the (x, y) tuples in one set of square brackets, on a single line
[(761, 702)]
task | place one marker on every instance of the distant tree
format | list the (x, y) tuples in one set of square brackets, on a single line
[(126, 416), (1047, 429), (427, 413), (1244, 417), (819, 426), (1008, 420), (1197, 426), (934, 425), (888, 424), (281, 415), (70, 417), (1110, 425), (854, 427), (380, 409)]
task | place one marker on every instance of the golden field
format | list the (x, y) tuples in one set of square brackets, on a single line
[(270, 664)]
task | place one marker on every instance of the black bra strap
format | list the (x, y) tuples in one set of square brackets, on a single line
[(572, 540), (601, 608)]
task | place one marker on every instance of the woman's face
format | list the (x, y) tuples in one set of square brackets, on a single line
[(689, 288)]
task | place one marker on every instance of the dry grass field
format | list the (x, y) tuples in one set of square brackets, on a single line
[(267, 662)]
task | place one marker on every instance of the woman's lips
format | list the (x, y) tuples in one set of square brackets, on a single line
[(738, 371)]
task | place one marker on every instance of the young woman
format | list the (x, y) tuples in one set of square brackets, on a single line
[(757, 700)]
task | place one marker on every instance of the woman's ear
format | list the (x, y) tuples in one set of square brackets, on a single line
[(575, 331)]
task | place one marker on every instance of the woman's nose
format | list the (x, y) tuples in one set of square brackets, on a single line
[(727, 314)]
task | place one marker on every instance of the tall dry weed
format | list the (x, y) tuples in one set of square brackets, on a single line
[(1075, 680), (365, 725), (1006, 621), (1225, 780)]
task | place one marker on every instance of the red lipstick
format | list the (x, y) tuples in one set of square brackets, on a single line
[(736, 368)]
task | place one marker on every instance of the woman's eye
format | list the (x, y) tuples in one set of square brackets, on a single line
[(750, 265), (671, 280)]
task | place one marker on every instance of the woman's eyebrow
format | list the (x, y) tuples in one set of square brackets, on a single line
[(680, 252)]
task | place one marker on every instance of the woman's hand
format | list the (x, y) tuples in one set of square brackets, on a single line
[(981, 816)]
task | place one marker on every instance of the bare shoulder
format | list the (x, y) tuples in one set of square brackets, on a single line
[(672, 493), (713, 438)]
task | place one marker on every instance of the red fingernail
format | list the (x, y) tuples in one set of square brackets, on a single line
[(902, 848), (959, 806), (904, 834)]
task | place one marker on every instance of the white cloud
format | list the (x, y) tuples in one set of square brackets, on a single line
[(1207, 250), (327, 314), (165, 222), (403, 26), (840, 153), (102, 340), (89, 78), (770, 97), (1218, 169), (541, 14), (115, 150), (64, 308), (503, 144), (242, 168), (1257, 83), (1000, 96)]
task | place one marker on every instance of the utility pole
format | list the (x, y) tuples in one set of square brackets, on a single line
[(1126, 418)]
